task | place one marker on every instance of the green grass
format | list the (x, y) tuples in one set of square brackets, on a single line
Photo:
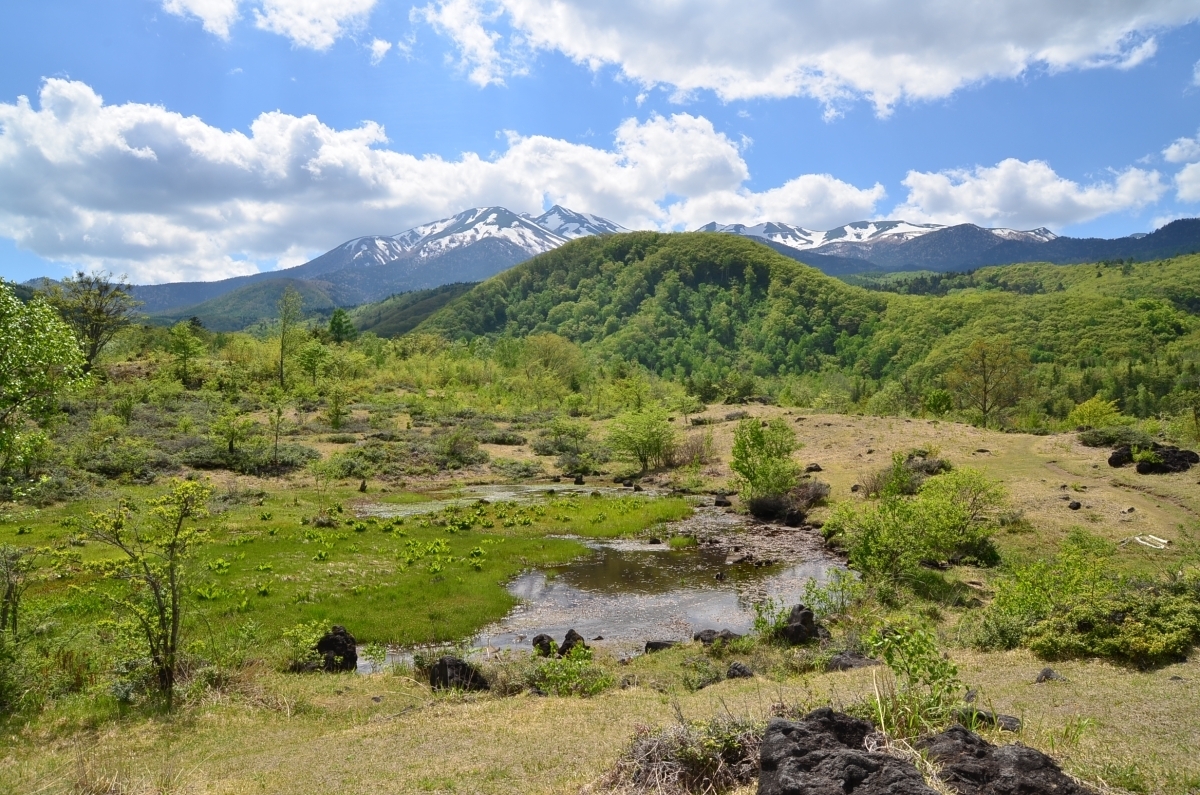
[(427, 578)]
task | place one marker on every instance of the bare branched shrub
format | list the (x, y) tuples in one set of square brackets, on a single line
[(807, 494), (696, 448)]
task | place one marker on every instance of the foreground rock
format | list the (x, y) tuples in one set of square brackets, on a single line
[(710, 636), (571, 640), (338, 650), (823, 754), (973, 766), (801, 626), (454, 673), (849, 660)]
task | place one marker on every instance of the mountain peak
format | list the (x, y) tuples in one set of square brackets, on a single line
[(571, 225)]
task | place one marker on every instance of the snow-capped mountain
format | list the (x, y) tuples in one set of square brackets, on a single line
[(859, 232), (470, 246), (570, 224)]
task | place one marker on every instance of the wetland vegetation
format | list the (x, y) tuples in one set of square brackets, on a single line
[(184, 512)]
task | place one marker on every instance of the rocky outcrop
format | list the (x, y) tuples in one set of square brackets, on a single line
[(543, 645), (1161, 459), (824, 754), (338, 650), (801, 626), (659, 645), (848, 660), (571, 640), (739, 670), (710, 636), (973, 766), (454, 673)]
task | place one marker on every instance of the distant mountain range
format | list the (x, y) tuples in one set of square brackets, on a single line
[(479, 243), (898, 245)]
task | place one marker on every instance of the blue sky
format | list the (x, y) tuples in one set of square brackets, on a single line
[(195, 139)]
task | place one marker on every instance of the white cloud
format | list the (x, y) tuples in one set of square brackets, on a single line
[(1187, 183), (1022, 195), (137, 188), (1183, 150), (832, 51), (216, 15), (1196, 74), (379, 48), (315, 24)]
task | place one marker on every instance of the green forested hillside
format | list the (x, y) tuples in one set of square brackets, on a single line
[(402, 313), (254, 302), (701, 308)]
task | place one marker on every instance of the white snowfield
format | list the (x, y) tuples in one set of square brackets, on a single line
[(871, 232)]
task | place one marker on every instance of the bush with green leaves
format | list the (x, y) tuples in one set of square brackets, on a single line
[(951, 517), (1096, 412), (1115, 436), (762, 460), (1075, 604), (644, 437), (926, 687), (575, 674)]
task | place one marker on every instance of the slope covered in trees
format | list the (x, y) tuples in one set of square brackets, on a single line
[(700, 308)]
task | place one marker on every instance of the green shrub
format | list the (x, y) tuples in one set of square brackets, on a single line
[(1115, 436), (762, 460), (1097, 413), (1143, 627), (926, 686), (457, 449), (576, 674)]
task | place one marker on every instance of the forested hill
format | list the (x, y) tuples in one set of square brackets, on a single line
[(677, 303), (699, 307)]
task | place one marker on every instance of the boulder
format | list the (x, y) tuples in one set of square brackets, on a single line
[(739, 670), (813, 467), (793, 517), (973, 766), (659, 645), (848, 660), (970, 716), (454, 673), (543, 645), (339, 650), (1048, 674), (579, 480), (1074, 505), (710, 636), (823, 754), (801, 626), (722, 501), (1170, 459), (572, 640)]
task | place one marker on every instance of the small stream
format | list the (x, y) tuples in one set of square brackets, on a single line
[(627, 591)]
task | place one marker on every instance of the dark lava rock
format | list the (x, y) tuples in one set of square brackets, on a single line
[(556, 479), (660, 645), (970, 716), (338, 648), (856, 488), (793, 518), (1074, 505), (847, 660), (722, 501), (823, 754), (572, 640), (636, 487), (579, 480), (627, 484), (362, 487), (1171, 459), (710, 636), (739, 670), (1048, 674), (654, 540), (801, 626), (454, 673), (982, 450), (813, 467), (543, 645), (973, 766)]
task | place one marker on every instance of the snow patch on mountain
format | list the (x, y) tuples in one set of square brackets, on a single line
[(435, 239), (865, 234), (571, 225)]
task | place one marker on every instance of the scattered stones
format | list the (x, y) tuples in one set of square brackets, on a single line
[(1130, 509), (572, 640), (710, 636), (543, 645), (870, 451), (659, 645), (739, 670), (813, 467), (973, 766), (1074, 505), (824, 754), (848, 660), (1048, 674), (454, 673), (801, 626), (339, 650), (970, 716)]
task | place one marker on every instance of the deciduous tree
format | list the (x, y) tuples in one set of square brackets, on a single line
[(96, 306), (990, 376)]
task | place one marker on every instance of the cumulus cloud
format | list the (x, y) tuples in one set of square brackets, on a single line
[(379, 48), (1187, 183), (215, 15), (1183, 150), (315, 24), (832, 51), (165, 197), (1022, 194)]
